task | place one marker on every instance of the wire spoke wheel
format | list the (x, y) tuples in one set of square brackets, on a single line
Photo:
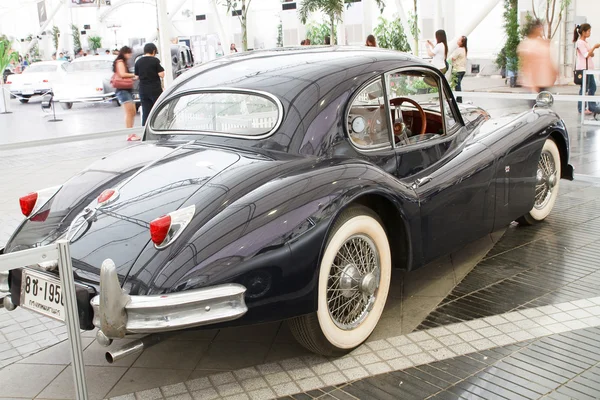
[(547, 179), (353, 282)]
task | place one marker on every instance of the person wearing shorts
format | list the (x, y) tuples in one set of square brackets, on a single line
[(125, 96)]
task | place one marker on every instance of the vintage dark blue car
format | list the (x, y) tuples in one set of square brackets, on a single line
[(287, 184)]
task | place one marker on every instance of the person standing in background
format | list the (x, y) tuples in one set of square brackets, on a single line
[(459, 64), (537, 68), (585, 60), (371, 41), (149, 72), (125, 96), (439, 51), (232, 48)]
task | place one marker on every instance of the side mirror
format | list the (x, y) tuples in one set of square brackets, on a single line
[(544, 100), (46, 101)]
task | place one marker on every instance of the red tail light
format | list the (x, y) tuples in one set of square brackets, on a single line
[(27, 203), (45, 81), (164, 230), (8, 82), (107, 196), (99, 89), (159, 229), (33, 202)]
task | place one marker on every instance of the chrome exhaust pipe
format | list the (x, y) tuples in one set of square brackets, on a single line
[(135, 347)]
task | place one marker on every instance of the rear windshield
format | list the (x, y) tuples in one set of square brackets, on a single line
[(92, 65), (237, 113), (40, 68)]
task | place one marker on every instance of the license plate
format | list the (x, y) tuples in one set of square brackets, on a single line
[(42, 294), (27, 91)]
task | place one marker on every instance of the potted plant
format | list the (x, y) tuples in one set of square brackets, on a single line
[(95, 43), (6, 57)]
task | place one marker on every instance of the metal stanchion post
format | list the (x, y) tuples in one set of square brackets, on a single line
[(72, 317), (583, 93)]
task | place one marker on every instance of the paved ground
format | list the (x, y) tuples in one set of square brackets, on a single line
[(542, 264)]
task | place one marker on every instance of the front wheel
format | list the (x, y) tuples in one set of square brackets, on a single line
[(547, 182), (354, 280)]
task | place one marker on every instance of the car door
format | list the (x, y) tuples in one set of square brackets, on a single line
[(450, 174)]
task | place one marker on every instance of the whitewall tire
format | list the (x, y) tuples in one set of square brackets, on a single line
[(546, 185), (354, 281)]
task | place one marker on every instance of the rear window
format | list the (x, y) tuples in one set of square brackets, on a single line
[(92, 65), (40, 68), (234, 113)]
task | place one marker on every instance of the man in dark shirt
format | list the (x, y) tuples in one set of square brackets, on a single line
[(149, 71)]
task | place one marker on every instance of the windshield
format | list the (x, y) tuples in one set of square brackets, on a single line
[(238, 113), (40, 68), (91, 65)]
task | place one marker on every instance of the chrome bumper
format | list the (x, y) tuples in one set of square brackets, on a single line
[(117, 314)]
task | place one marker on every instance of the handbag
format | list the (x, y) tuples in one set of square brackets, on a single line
[(121, 83), (578, 73)]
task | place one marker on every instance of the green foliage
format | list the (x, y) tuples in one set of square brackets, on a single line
[(6, 54), (390, 35), (76, 37), (317, 33), (508, 55), (34, 51), (55, 36), (332, 8), (280, 35), (95, 42)]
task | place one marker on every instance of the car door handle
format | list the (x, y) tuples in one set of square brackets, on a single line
[(421, 181)]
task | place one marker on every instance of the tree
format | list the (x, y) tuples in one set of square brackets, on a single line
[(390, 35), (55, 36), (232, 5), (553, 10), (317, 33), (332, 8), (6, 57), (507, 58), (413, 22), (76, 37), (280, 35), (95, 42)]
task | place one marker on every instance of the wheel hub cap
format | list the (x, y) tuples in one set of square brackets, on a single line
[(546, 180), (353, 282)]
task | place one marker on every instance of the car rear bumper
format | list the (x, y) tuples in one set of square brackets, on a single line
[(118, 314), (87, 99)]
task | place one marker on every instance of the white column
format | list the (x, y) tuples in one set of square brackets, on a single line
[(44, 26), (224, 35), (164, 41), (474, 23), (439, 16)]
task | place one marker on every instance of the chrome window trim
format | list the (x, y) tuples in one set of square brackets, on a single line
[(260, 93), (388, 146)]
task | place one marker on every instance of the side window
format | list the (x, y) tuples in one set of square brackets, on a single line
[(418, 111), (367, 120)]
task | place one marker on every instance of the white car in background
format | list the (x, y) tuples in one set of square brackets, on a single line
[(87, 80), (37, 79)]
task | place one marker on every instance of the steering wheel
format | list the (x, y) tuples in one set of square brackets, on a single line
[(397, 102)]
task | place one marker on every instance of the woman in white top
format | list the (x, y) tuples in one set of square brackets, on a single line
[(459, 64), (439, 51), (585, 60)]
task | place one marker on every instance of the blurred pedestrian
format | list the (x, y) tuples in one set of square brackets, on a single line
[(61, 57), (538, 72), (149, 71), (307, 42), (585, 60), (232, 48), (459, 64), (107, 52), (439, 51), (125, 96), (371, 41)]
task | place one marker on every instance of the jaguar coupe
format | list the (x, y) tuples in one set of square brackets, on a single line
[(286, 184)]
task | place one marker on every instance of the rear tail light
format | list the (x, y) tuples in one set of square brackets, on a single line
[(164, 230), (99, 89), (33, 202), (45, 81), (107, 196)]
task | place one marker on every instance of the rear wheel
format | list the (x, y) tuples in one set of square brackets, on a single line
[(66, 106), (354, 280), (24, 101), (546, 185)]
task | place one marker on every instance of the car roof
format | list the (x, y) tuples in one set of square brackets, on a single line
[(49, 63)]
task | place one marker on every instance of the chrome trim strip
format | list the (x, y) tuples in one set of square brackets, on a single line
[(271, 97), (116, 313)]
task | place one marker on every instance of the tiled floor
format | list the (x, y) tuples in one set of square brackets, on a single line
[(529, 267)]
